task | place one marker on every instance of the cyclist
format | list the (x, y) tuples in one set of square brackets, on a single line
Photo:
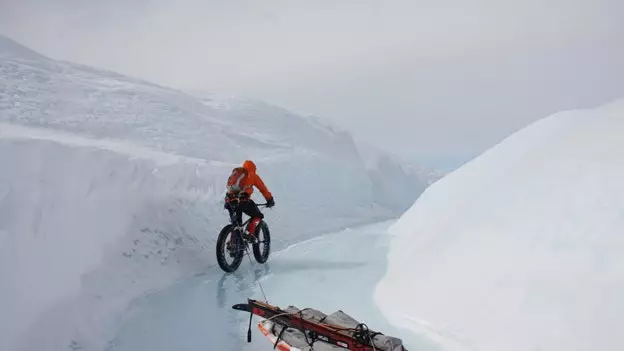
[(240, 186)]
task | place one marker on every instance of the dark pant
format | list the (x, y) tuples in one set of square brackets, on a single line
[(247, 207)]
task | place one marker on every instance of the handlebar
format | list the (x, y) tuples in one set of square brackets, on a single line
[(241, 196)]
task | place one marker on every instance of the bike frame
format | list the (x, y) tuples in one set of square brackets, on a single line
[(240, 228)]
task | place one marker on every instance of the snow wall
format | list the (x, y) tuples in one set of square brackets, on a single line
[(522, 248), (87, 227), (112, 187)]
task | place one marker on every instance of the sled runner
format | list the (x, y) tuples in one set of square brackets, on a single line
[(308, 329)]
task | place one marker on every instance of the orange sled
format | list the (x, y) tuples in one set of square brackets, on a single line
[(292, 329)]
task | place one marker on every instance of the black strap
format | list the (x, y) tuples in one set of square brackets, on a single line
[(362, 334), (279, 337), (312, 334)]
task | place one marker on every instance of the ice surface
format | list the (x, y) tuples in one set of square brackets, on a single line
[(332, 272), (522, 248), (112, 189)]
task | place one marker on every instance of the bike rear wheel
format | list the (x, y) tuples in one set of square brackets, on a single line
[(262, 244), (235, 247)]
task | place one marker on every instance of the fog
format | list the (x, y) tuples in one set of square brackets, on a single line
[(435, 82)]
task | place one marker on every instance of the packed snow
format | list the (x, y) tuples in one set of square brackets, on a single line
[(113, 190), (522, 248)]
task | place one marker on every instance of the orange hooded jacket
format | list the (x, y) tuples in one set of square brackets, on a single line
[(254, 180)]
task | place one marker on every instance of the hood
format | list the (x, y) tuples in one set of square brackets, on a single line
[(249, 166)]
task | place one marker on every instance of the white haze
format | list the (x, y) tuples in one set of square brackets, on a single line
[(428, 80)]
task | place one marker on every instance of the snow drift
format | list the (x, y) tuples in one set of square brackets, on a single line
[(522, 248), (112, 188)]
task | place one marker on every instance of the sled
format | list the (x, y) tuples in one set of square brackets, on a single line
[(308, 329)]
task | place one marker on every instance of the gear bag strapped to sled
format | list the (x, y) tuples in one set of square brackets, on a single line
[(308, 329)]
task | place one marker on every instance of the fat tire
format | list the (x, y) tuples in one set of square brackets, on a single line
[(266, 237), (221, 254)]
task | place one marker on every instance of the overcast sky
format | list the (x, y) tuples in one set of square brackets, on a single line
[(431, 80)]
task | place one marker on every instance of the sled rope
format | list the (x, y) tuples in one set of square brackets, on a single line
[(284, 327), (250, 269)]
